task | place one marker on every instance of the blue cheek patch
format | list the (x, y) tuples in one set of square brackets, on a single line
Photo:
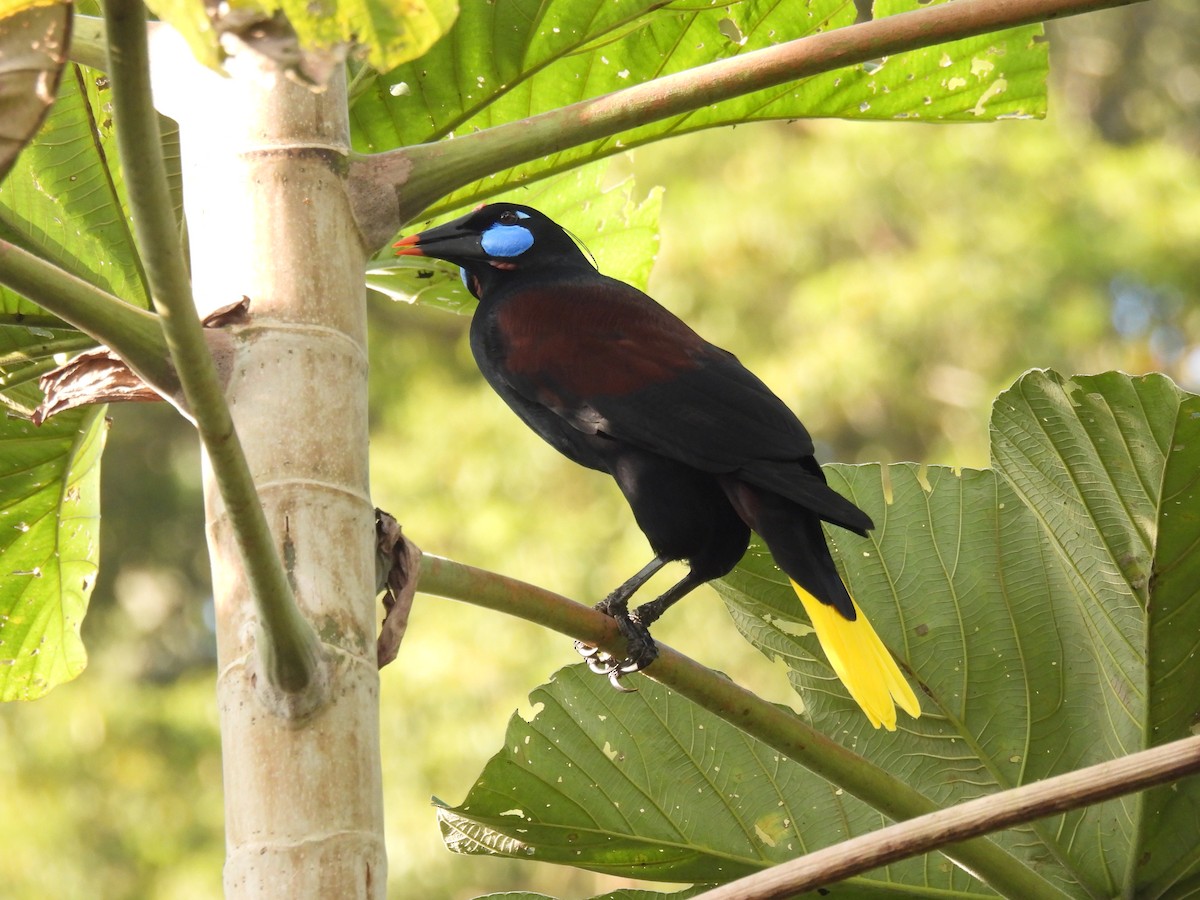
[(507, 240)]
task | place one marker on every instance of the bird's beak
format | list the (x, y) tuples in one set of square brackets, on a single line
[(451, 242), (409, 246)]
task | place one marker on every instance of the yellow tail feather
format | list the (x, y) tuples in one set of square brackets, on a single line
[(861, 661)]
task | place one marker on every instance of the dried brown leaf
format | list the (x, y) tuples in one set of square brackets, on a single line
[(398, 563)]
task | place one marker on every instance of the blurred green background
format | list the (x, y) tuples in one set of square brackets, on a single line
[(886, 280)]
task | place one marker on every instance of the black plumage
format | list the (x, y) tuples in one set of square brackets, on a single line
[(703, 451)]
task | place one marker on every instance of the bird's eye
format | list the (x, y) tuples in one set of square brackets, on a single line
[(508, 217)]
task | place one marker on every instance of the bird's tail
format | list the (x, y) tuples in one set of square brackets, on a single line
[(793, 535), (861, 661)]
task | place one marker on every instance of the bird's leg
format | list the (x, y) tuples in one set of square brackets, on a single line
[(640, 646), (648, 613), (617, 603), (636, 627)]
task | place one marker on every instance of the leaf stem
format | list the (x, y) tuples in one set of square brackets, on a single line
[(290, 649), (89, 44), (433, 170), (774, 726), (132, 333)]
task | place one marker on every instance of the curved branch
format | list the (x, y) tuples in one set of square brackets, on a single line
[(770, 724), (391, 188)]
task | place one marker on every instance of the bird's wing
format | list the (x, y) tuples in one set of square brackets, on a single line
[(609, 360)]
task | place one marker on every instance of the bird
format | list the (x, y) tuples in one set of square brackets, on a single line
[(703, 451)]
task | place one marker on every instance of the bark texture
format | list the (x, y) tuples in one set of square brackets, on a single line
[(268, 219)]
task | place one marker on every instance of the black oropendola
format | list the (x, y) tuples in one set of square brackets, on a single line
[(703, 451)]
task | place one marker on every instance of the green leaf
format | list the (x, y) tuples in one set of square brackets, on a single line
[(391, 33), (65, 197), (65, 201), (620, 232), (648, 785), (944, 578), (49, 545), (1018, 596), (507, 61), (1118, 502)]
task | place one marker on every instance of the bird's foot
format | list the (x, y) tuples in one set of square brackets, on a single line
[(639, 646)]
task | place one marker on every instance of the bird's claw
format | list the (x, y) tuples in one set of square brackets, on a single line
[(614, 678), (597, 660), (606, 664), (641, 648), (587, 651)]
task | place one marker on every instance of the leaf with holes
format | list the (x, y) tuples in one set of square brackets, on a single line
[(65, 198), (508, 61), (648, 785), (1023, 598)]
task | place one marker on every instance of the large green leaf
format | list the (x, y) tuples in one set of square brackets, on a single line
[(1119, 499), (648, 785), (505, 61), (1049, 609), (49, 545), (620, 233), (65, 197), (1018, 596)]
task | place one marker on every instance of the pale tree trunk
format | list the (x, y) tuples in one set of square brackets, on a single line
[(268, 219)]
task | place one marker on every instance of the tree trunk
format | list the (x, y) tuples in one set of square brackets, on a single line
[(268, 219)]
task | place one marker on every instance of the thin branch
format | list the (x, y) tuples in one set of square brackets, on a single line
[(133, 334), (983, 815), (391, 188), (776, 727), (289, 646)]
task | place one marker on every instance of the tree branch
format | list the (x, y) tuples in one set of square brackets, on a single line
[(132, 333), (289, 646), (391, 188), (768, 723), (982, 815)]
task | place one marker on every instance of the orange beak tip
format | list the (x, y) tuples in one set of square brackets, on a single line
[(408, 246)]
